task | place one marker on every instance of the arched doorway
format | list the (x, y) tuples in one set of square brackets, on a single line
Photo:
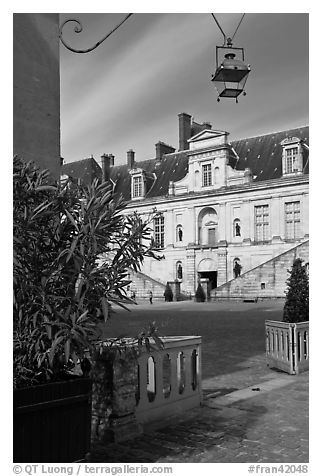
[(207, 269), (208, 227)]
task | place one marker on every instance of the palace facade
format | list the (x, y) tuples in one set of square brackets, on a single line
[(231, 214)]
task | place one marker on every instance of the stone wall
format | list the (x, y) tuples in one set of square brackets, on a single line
[(36, 89), (115, 386), (265, 281), (143, 284)]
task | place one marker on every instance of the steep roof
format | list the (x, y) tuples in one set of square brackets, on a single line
[(262, 154), (85, 170), (172, 167)]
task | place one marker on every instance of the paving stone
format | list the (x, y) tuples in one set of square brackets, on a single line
[(259, 429)]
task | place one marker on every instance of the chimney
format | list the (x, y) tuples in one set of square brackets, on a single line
[(184, 130), (130, 158), (107, 160), (161, 148), (206, 125), (196, 127)]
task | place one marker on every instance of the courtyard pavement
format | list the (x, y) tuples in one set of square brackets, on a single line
[(249, 414)]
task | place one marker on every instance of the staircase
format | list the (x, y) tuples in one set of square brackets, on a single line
[(143, 284), (266, 281)]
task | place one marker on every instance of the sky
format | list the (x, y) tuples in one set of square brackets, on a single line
[(128, 92)]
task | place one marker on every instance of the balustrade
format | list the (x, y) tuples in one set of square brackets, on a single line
[(169, 380), (287, 346)]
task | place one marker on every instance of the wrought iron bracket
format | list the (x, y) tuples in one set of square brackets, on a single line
[(79, 28)]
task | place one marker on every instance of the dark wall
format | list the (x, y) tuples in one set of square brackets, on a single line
[(36, 89)]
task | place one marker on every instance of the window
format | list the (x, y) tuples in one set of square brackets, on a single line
[(212, 239), (292, 220), (261, 223), (159, 232), (206, 175), (137, 187), (291, 160)]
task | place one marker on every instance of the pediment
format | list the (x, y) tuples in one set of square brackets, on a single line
[(208, 138), (207, 134), (290, 140)]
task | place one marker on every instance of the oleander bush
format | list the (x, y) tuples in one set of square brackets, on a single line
[(73, 247)]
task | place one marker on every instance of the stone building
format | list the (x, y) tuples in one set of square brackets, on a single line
[(232, 215), (36, 90)]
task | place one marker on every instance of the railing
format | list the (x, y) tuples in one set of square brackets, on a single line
[(287, 346), (169, 380)]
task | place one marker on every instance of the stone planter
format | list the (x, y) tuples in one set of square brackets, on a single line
[(132, 388), (115, 377), (287, 346)]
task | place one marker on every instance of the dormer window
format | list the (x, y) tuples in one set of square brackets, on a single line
[(137, 187), (206, 175), (292, 159), (138, 183)]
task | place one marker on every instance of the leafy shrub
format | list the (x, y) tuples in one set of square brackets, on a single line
[(296, 307), (168, 293), (200, 294), (73, 247)]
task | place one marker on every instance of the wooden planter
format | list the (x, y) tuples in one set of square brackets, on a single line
[(52, 422), (287, 346)]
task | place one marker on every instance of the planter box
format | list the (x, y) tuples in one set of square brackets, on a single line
[(52, 422), (287, 346)]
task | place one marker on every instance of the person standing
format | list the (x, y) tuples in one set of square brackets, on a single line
[(151, 297)]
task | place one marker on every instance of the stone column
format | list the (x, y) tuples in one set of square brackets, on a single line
[(189, 229), (169, 228), (191, 271), (222, 226), (246, 222), (276, 218), (305, 216), (222, 266), (115, 383)]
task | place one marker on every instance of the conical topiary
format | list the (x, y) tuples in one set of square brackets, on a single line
[(296, 307), (200, 294), (168, 294)]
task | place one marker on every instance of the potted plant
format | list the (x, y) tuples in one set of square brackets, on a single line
[(287, 342), (73, 247), (168, 293), (200, 294)]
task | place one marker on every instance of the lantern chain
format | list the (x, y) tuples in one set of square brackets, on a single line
[(226, 39), (78, 28)]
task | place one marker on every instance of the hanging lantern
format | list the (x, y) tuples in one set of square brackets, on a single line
[(231, 75)]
